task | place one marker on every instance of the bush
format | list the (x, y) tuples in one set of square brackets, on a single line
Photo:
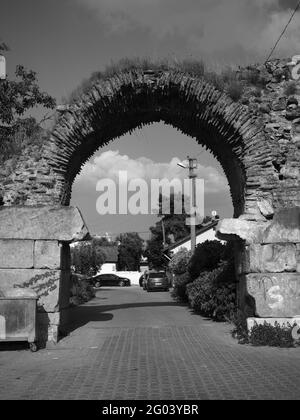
[(213, 294), (273, 336), (81, 290), (180, 262), (207, 257), (263, 334), (180, 287)]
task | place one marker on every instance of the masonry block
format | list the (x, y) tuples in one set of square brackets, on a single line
[(47, 255), (272, 258), (47, 284), (276, 295), (285, 227), (298, 257), (16, 253), (42, 223), (48, 327)]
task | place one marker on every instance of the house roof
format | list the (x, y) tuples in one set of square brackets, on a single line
[(200, 231)]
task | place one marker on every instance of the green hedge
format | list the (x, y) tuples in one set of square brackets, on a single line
[(180, 287), (263, 334), (213, 294)]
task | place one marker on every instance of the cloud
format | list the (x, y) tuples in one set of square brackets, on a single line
[(246, 28), (108, 165)]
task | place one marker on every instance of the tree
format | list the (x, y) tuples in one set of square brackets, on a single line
[(17, 97), (179, 263), (174, 225), (130, 252), (207, 257), (87, 257)]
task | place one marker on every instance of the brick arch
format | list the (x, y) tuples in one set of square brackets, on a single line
[(125, 101)]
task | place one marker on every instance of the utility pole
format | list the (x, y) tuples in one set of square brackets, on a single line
[(192, 176), (164, 233)]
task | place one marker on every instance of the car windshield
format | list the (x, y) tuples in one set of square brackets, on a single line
[(156, 275)]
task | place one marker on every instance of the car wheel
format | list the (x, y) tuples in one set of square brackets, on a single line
[(122, 283)]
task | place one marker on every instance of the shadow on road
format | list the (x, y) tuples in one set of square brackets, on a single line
[(93, 312)]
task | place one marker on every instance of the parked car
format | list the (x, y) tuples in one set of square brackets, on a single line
[(110, 280), (141, 280), (157, 281)]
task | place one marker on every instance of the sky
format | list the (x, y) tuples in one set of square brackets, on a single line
[(64, 41)]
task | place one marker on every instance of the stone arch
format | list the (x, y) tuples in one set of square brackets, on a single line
[(258, 149), (119, 104)]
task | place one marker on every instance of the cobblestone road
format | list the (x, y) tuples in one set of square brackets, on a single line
[(130, 344)]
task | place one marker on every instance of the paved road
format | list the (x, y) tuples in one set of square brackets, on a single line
[(130, 344)]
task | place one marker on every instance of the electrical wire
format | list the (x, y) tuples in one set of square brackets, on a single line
[(283, 32)]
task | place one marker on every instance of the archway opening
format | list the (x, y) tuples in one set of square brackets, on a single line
[(152, 151)]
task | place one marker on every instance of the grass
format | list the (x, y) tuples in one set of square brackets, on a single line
[(191, 67), (228, 79)]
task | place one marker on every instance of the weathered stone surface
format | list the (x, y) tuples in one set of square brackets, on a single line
[(57, 223), (276, 295), (47, 254), (298, 257), (236, 229), (46, 283), (48, 327), (285, 227), (16, 253), (271, 258), (266, 208)]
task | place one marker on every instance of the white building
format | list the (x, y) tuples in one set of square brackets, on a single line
[(203, 234)]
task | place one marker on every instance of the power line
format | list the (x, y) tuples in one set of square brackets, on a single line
[(283, 32)]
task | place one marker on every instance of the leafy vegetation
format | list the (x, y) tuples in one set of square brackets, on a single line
[(228, 80), (17, 98), (206, 280), (213, 294), (130, 251), (180, 287), (263, 334), (175, 229), (207, 256), (179, 263), (87, 257)]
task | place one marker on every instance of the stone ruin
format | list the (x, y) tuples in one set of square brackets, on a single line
[(256, 140)]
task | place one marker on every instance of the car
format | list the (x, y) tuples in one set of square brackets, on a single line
[(110, 280), (141, 280), (157, 280)]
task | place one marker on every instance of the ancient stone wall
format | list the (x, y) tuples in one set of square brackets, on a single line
[(257, 140), (268, 263), (35, 254)]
